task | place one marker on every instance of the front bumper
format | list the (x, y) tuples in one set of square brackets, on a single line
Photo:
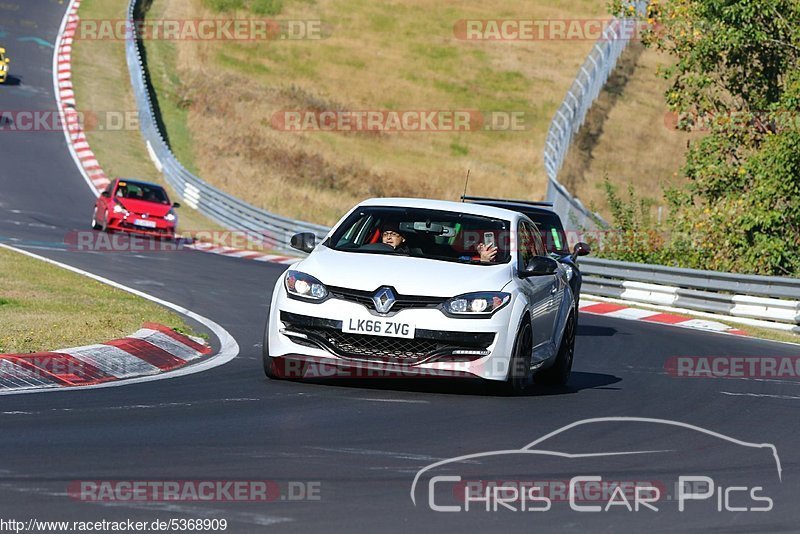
[(164, 229), (442, 346)]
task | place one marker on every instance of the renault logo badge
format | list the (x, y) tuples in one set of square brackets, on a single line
[(384, 299)]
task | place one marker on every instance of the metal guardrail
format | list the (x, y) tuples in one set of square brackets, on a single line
[(571, 115), (766, 298), (759, 286), (259, 225)]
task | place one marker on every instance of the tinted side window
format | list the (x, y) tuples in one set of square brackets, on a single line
[(551, 231), (537, 245), (525, 244)]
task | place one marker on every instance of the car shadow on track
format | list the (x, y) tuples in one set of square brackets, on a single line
[(13, 81), (595, 331), (465, 386)]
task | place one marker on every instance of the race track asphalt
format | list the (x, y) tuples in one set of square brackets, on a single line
[(361, 442)]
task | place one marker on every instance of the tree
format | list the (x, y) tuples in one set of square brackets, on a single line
[(736, 72)]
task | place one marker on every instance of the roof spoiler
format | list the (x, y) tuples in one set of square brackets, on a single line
[(516, 201)]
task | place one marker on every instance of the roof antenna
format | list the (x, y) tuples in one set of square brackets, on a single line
[(466, 183)]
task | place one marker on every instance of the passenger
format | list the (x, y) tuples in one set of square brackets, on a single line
[(485, 254), (391, 235)]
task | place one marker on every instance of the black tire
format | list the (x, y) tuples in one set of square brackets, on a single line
[(271, 369), (270, 366), (519, 372), (104, 224), (558, 374), (95, 226)]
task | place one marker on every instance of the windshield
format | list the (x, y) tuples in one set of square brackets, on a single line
[(140, 191), (423, 233)]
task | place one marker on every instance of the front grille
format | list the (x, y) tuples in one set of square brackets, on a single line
[(428, 345), (393, 350), (402, 301), (131, 226)]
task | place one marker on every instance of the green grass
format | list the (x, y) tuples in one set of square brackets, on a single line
[(44, 307), (458, 149)]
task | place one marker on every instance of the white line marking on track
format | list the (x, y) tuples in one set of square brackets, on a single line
[(760, 395), (42, 247), (373, 452), (389, 400)]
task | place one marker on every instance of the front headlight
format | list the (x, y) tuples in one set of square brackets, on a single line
[(305, 286), (482, 304), (170, 216), (568, 270), (119, 209)]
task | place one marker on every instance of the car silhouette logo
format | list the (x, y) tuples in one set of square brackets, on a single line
[(384, 299)]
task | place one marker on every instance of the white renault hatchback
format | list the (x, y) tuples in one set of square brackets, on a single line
[(400, 286)]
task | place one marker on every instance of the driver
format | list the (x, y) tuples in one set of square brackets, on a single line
[(391, 235)]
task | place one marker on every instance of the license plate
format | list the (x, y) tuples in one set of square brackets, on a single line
[(145, 224), (378, 327)]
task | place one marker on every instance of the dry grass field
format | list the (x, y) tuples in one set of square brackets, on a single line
[(218, 99), (628, 136), (376, 56)]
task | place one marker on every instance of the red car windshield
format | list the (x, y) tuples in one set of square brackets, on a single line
[(139, 191)]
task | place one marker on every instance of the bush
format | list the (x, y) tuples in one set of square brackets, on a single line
[(224, 5), (267, 7), (736, 70), (259, 7)]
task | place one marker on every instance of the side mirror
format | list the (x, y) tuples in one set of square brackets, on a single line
[(539, 266), (105, 194), (305, 241), (7, 60), (176, 204), (581, 249)]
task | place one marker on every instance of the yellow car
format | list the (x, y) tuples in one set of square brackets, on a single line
[(3, 65)]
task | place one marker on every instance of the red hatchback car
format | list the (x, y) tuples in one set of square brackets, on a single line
[(136, 207)]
